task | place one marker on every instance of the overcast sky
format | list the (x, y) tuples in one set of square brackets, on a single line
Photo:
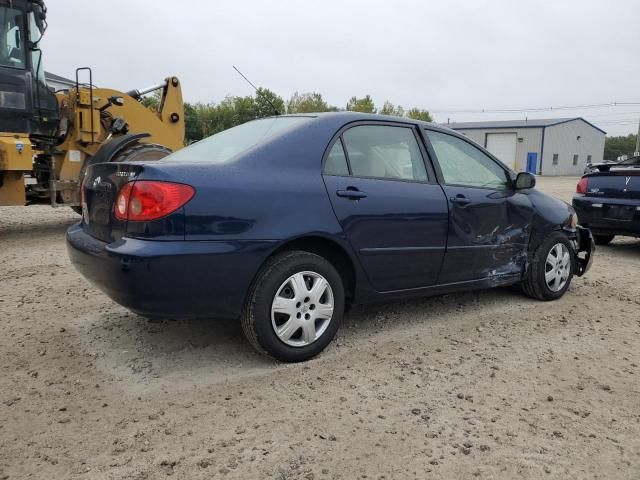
[(446, 55)]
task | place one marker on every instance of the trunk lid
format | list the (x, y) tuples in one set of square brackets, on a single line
[(101, 185), (615, 183)]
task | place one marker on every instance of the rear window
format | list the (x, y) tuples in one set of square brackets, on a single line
[(225, 145)]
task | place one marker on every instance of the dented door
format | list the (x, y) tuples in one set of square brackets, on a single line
[(488, 233), (489, 222)]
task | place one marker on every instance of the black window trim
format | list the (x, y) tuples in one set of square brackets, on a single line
[(432, 178), (509, 174)]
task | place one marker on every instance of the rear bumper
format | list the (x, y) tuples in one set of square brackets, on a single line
[(177, 279), (592, 213)]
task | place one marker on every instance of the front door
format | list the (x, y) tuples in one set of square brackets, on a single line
[(391, 210), (489, 222)]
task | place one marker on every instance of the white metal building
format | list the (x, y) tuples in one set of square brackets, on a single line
[(56, 82), (558, 146)]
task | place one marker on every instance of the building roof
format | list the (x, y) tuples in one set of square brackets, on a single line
[(58, 78), (525, 123)]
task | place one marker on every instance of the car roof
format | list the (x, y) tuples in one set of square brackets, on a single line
[(349, 117)]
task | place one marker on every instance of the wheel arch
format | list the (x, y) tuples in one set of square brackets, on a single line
[(329, 249)]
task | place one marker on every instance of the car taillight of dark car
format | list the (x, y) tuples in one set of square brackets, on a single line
[(583, 185), (147, 200)]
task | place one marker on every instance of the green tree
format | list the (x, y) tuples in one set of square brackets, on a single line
[(309, 102), (364, 105), (153, 101), (390, 109), (419, 114), (617, 146), (262, 106), (192, 131)]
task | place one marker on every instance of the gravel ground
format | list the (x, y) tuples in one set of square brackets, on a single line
[(479, 385)]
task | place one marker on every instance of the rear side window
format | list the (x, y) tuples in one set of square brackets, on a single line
[(227, 144), (463, 164), (336, 162), (381, 151)]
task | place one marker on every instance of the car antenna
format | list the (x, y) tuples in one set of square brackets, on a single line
[(258, 92)]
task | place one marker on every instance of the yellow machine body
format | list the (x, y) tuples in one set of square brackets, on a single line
[(15, 157), (86, 119)]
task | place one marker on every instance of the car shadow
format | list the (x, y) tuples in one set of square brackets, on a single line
[(184, 352), (623, 245)]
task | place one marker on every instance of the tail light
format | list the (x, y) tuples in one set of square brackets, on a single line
[(582, 186), (146, 200)]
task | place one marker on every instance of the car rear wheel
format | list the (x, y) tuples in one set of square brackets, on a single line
[(551, 269), (603, 239), (295, 306)]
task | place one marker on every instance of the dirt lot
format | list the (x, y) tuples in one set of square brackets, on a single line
[(479, 385)]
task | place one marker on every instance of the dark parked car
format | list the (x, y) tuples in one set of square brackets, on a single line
[(594, 167), (285, 221), (607, 200)]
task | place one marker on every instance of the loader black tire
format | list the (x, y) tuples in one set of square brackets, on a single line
[(142, 152), (138, 152)]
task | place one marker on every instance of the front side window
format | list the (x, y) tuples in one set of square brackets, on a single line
[(382, 151), (463, 164), (11, 38)]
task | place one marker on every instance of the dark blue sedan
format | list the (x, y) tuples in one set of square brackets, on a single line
[(284, 222)]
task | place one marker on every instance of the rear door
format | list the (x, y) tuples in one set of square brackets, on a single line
[(489, 222), (388, 203)]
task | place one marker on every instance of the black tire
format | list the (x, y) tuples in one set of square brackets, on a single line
[(256, 318), (139, 152), (603, 239), (142, 152), (534, 284)]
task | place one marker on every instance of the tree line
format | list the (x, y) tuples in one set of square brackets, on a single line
[(205, 119), (617, 146)]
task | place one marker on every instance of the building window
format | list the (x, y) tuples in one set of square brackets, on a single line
[(555, 158), (588, 158), (575, 159)]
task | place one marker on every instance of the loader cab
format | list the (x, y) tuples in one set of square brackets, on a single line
[(27, 105)]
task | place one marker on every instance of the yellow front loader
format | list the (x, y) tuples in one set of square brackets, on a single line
[(47, 139)]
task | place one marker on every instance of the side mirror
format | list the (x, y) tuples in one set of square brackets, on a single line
[(525, 180)]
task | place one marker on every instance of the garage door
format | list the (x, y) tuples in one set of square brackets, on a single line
[(503, 146)]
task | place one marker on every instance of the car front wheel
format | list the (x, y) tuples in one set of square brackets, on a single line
[(551, 269), (295, 306)]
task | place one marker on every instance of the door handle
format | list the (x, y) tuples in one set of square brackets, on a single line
[(460, 200), (352, 193)]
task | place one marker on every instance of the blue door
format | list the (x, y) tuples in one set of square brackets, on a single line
[(393, 214), (488, 221), (532, 162)]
